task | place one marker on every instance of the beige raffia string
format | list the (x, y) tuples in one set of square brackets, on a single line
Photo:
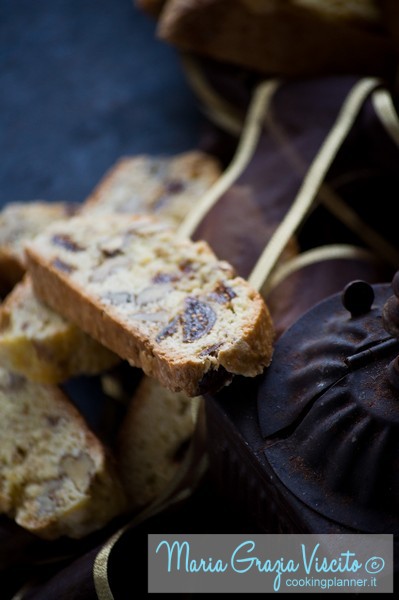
[(319, 254), (331, 200), (216, 107), (244, 153), (386, 112), (312, 181)]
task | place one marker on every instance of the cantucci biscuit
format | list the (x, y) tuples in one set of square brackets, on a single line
[(165, 185), (150, 455), (55, 476), (43, 346), (165, 304)]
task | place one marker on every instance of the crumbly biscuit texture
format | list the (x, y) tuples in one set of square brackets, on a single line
[(40, 344), (167, 186), (165, 304), (55, 478), (153, 441)]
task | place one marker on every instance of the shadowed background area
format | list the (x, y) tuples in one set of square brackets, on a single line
[(84, 82)]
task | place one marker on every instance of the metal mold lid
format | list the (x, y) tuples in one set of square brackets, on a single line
[(328, 408)]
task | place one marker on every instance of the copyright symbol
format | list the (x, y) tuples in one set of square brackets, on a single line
[(374, 565)]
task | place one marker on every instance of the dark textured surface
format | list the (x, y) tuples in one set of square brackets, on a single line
[(82, 83)]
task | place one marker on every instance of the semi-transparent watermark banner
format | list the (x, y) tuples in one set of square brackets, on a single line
[(229, 563)]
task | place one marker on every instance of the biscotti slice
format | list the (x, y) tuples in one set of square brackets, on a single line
[(43, 346), (153, 440), (20, 221), (165, 304), (55, 476), (168, 186)]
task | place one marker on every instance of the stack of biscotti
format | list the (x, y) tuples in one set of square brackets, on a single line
[(46, 347), (166, 305), (290, 38), (43, 346), (56, 478)]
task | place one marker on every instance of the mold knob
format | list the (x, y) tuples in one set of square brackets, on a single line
[(358, 297)]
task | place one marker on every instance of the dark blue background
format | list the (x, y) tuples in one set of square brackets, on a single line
[(83, 82)]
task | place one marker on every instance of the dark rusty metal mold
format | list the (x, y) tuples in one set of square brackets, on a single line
[(313, 444)]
